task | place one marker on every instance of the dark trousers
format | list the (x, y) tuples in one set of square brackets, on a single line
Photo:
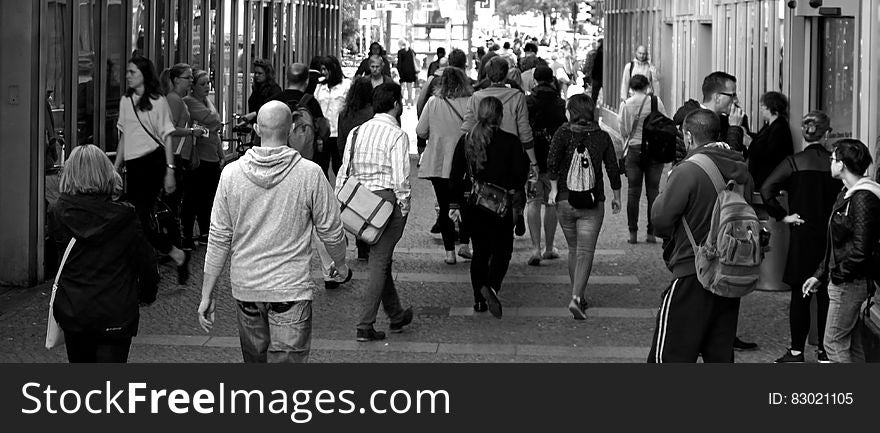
[(92, 348), (464, 230), (636, 174), (329, 156), (595, 88), (799, 317), (144, 180), (381, 287), (492, 239), (693, 322), (198, 199), (447, 227)]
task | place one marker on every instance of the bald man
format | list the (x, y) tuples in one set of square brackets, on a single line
[(268, 204), (640, 65)]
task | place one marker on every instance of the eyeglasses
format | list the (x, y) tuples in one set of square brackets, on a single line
[(732, 95)]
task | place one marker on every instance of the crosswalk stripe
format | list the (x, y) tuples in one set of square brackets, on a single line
[(463, 277), (612, 313)]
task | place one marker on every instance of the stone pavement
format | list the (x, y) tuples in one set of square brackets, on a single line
[(624, 293)]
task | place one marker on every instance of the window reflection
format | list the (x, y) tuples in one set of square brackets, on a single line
[(116, 61), (837, 73), (86, 46)]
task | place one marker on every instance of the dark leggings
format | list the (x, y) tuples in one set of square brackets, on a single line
[(91, 348), (447, 227), (144, 180), (799, 317), (329, 156), (201, 186), (492, 247)]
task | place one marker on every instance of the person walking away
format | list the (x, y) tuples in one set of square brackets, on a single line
[(289, 198), (773, 142), (357, 110), (331, 96), (203, 180), (146, 150), (593, 74), (639, 168), (378, 152), (640, 65), (546, 114), (806, 176), (111, 268), (488, 154), (407, 68), (581, 142), (850, 264), (693, 321), (441, 53)]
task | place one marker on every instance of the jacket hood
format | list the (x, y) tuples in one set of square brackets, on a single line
[(730, 162), (545, 91), (94, 217), (504, 94), (687, 108), (864, 184), (578, 128), (266, 167)]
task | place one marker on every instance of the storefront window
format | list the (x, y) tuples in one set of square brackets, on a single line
[(86, 48), (197, 23), (837, 73), (116, 62), (57, 56)]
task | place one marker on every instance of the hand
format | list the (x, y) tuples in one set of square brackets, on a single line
[(736, 115), (336, 272), (455, 215), (551, 198), (533, 172), (615, 206), (810, 286), (170, 183), (794, 219), (206, 314), (200, 132)]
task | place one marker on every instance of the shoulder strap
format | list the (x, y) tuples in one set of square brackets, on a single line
[(453, 109), (354, 137), (64, 259), (304, 100), (631, 66), (653, 103), (159, 142), (635, 123), (711, 169)]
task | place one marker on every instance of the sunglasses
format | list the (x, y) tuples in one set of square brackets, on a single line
[(732, 95)]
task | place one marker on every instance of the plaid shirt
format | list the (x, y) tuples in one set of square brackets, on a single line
[(381, 158)]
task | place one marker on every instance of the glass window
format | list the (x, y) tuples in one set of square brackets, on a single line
[(197, 23), (116, 62), (86, 48), (837, 73), (57, 57)]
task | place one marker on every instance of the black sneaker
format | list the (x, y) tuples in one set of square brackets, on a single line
[(492, 301), (406, 320), (435, 229), (789, 357), (744, 345), (520, 228), (188, 244), (822, 357), (203, 239), (364, 335), (481, 307), (183, 270)]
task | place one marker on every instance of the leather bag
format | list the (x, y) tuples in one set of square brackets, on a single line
[(364, 214)]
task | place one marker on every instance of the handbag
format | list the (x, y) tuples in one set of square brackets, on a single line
[(363, 213), (487, 196), (54, 334)]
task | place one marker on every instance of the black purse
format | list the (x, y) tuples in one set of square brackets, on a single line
[(487, 196)]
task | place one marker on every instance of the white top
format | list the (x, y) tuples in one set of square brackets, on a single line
[(628, 113), (639, 68), (332, 102), (135, 140)]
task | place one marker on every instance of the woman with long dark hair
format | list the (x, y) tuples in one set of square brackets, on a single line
[(773, 142), (331, 95), (440, 125), (493, 156), (146, 149), (264, 87)]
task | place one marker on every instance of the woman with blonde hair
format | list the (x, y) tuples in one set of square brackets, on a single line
[(111, 268), (488, 155)]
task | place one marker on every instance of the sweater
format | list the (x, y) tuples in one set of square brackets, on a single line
[(440, 125), (601, 149), (266, 208), (515, 119), (208, 147), (769, 148), (506, 166)]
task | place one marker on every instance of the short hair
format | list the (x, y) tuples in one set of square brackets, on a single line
[(716, 82), (384, 97), (441, 52), (703, 124), (457, 59), (581, 109), (854, 155), (530, 48), (497, 69), (495, 47), (776, 103), (297, 73), (638, 82), (88, 170), (507, 45)]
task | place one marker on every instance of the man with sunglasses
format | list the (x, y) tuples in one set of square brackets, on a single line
[(719, 96)]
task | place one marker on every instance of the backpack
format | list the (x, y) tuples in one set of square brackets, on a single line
[(308, 133), (729, 261), (581, 179), (659, 136)]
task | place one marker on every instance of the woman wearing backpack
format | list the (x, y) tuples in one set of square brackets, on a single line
[(577, 152), (850, 260), (638, 172), (440, 125), (494, 158)]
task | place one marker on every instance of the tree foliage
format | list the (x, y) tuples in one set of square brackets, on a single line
[(508, 8)]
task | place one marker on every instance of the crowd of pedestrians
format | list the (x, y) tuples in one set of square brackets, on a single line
[(506, 151)]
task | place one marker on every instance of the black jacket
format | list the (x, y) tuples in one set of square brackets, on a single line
[(852, 237), (506, 166), (260, 94), (546, 115), (733, 136), (806, 176), (600, 148), (111, 269), (769, 147)]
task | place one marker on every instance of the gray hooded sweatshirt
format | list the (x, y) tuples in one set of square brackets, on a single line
[(267, 205)]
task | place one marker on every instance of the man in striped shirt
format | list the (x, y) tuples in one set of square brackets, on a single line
[(378, 154)]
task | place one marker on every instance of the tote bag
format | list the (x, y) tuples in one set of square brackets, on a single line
[(54, 334)]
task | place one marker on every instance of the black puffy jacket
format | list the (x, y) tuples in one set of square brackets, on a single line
[(853, 231)]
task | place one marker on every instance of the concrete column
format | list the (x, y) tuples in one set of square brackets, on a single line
[(21, 173)]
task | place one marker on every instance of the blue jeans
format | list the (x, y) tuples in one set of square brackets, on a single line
[(636, 174), (381, 285), (843, 341), (581, 229), (275, 331)]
